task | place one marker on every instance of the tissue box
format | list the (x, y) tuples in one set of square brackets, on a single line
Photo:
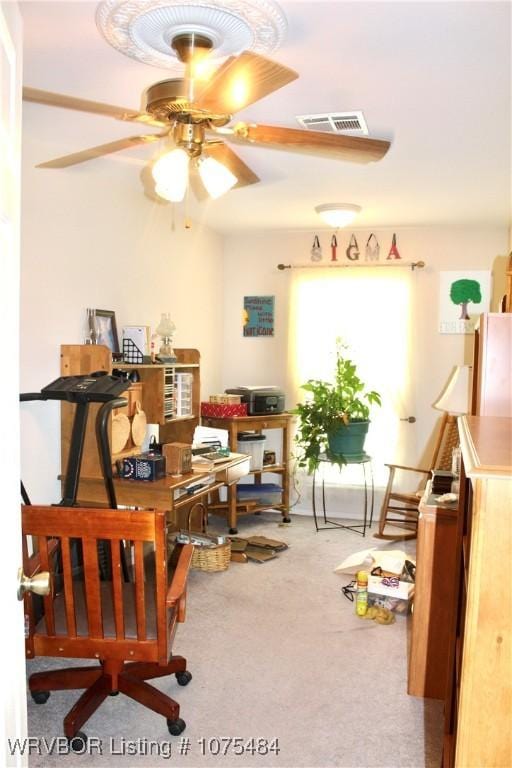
[(223, 410), (389, 592)]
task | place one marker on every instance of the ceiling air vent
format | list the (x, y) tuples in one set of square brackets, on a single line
[(335, 122)]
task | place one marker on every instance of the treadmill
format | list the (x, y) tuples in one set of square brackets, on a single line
[(98, 387)]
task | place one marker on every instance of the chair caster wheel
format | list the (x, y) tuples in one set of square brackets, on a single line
[(40, 697), (233, 531), (176, 726), (287, 520), (78, 743), (183, 678)]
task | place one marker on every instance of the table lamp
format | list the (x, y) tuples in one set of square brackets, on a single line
[(166, 330), (454, 400)]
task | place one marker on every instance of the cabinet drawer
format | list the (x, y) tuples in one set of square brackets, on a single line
[(230, 475)]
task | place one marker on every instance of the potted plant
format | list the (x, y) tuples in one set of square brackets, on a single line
[(334, 419)]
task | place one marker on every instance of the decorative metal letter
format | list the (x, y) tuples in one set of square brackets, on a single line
[(353, 249)]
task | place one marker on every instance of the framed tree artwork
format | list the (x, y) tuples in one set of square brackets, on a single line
[(463, 296)]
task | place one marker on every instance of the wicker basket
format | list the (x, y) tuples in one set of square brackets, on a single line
[(209, 558)]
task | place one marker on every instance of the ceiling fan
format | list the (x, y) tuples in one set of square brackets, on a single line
[(195, 118)]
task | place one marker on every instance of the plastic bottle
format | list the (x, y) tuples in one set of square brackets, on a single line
[(361, 593)]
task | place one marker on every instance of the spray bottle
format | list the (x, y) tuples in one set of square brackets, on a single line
[(361, 593)]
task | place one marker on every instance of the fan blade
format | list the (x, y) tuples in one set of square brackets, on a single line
[(84, 105), (233, 162), (355, 149), (101, 149), (241, 81)]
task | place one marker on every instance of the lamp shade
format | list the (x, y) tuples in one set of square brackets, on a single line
[(170, 173), (456, 396), (166, 327), (216, 177), (338, 214)]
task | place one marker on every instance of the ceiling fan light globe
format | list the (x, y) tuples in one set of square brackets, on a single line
[(216, 178), (170, 173), (338, 215), (170, 194)]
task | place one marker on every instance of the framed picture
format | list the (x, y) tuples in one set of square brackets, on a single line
[(258, 316), (106, 329), (463, 296)]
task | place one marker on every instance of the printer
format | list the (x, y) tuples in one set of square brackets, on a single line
[(260, 400)]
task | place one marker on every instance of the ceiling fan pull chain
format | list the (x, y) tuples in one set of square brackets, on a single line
[(393, 251), (334, 245), (352, 249), (316, 250), (372, 248)]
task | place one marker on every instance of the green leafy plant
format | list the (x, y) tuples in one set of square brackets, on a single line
[(329, 406)]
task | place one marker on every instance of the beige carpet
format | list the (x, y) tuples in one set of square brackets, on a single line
[(276, 653)]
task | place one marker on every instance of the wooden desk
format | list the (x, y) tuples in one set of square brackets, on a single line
[(434, 598), (236, 424), (166, 493)]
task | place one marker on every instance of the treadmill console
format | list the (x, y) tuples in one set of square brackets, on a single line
[(97, 387)]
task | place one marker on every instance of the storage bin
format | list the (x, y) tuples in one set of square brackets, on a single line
[(264, 494), (223, 410), (183, 393), (253, 445)]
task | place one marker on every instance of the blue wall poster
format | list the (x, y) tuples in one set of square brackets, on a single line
[(258, 316)]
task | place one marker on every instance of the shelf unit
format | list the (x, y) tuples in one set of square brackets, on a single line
[(479, 691), (479, 658), (165, 394), (433, 598), (235, 424), (157, 397)]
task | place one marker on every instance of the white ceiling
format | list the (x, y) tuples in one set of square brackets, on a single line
[(433, 77)]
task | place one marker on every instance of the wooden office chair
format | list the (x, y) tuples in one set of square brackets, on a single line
[(400, 510), (127, 626)]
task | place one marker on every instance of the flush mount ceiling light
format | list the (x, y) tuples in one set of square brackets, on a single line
[(338, 214), (144, 29)]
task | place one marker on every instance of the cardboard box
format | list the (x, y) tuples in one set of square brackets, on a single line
[(390, 592), (390, 560), (223, 410), (229, 399), (178, 458)]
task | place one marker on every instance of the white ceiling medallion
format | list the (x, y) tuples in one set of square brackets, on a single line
[(144, 29)]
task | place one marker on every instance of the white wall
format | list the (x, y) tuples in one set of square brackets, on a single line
[(90, 238), (251, 264)]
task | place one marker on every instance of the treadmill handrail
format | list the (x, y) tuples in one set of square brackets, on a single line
[(104, 446)]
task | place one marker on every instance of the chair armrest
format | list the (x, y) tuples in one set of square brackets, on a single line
[(178, 584), (409, 469)]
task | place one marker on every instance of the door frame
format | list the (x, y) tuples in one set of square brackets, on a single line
[(13, 670)]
